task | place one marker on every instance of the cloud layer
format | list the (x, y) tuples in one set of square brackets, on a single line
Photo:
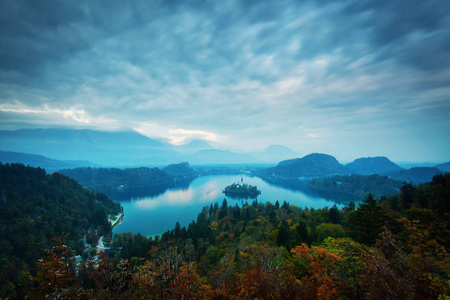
[(348, 78)]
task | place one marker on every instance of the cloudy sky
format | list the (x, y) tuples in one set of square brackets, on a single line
[(348, 78)]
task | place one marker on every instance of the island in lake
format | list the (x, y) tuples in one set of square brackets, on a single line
[(241, 191)]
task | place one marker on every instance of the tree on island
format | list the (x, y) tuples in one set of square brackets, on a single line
[(241, 191)]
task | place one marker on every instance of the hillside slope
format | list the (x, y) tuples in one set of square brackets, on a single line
[(372, 165), (312, 165), (416, 175), (36, 207)]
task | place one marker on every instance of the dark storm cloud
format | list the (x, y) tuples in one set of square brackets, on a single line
[(300, 73)]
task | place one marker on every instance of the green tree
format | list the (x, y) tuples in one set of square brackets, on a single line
[(283, 236), (334, 215), (326, 230), (368, 221)]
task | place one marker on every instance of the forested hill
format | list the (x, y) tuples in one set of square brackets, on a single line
[(390, 248), (355, 187), (119, 183), (372, 165), (415, 175), (312, 165), (182, 172), (34, 207)]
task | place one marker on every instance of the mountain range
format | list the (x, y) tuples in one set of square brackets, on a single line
[(322, 165), (50, 165), (104, 148), (126, 148), (55, 149)]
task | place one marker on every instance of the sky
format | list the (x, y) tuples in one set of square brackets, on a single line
[(347, 78)]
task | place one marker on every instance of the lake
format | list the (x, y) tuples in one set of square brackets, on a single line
[(157, 214)]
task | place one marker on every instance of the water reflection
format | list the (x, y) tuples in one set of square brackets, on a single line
[(131, 194), (158, 213)]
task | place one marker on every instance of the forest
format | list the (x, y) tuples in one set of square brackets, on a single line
[(394, 247), (36, 207), (119, 183), (354, 187)]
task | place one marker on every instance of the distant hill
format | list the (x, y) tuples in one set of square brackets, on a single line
[(215, 156), (372, 165), (416, 175), (312, 165), (275, 153), (33, 160), (355, 187), (271, 154), (106, 148), (124, 183), (445, 166), (193, 147), (182, 172)]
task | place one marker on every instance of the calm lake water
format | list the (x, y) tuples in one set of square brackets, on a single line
[(157, 214)]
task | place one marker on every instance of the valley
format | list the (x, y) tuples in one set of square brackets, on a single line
[(226, 215)]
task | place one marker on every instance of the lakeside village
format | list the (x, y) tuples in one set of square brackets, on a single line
[(102, 242)]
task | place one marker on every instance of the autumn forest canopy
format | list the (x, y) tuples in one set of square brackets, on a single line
[(384, 247)]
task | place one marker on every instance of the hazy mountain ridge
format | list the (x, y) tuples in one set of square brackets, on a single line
[(34, 160), (106, 148), (126, 148), (193, 147), (444, 166), (215, 156), (372, 165), (275, 153), (416, 175), (130, 149)]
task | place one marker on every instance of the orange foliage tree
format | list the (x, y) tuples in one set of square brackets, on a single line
[(55, 277), (319, 280)]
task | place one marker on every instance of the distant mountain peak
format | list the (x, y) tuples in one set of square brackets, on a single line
[(199, 143), (193, 147), (275, 153), (277, 147)]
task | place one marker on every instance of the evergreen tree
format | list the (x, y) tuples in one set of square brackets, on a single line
[(369, 221), (302, 233), (334, 215), (283, 236)]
